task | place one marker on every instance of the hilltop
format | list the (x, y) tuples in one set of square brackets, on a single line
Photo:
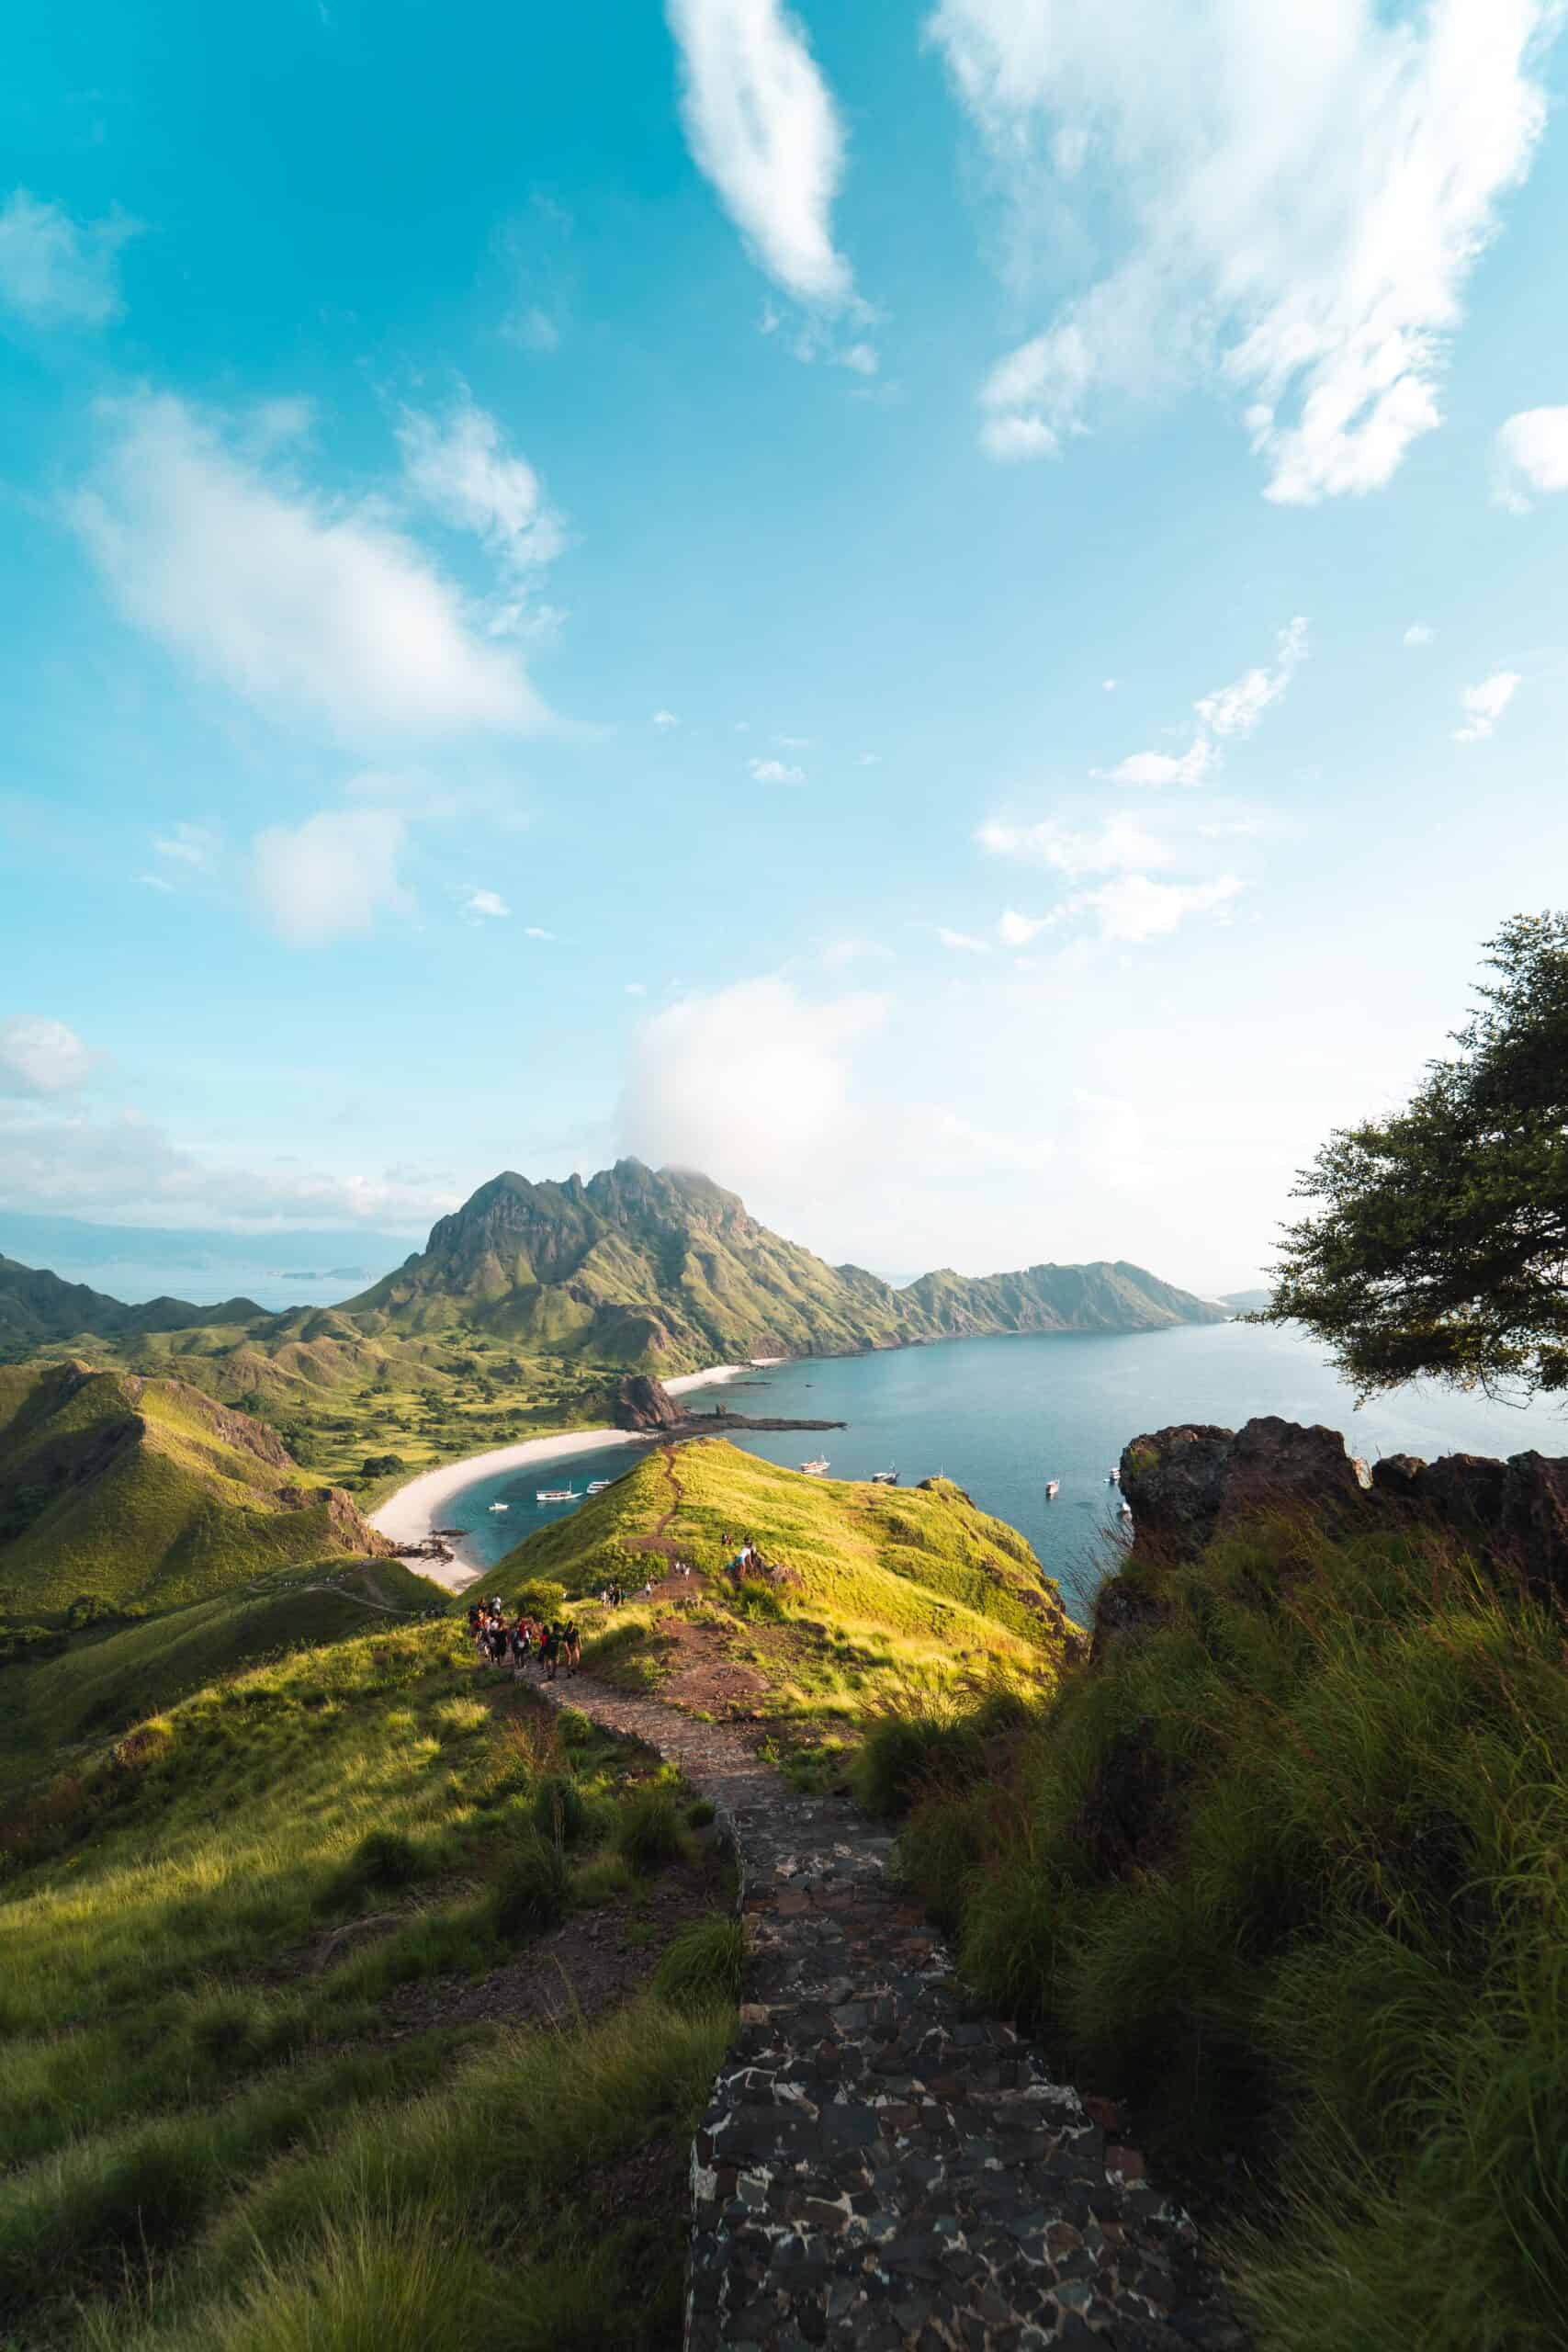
[(866, 1595), (143, 1494)]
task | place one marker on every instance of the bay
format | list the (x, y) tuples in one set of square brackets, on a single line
[(1003, 1416)]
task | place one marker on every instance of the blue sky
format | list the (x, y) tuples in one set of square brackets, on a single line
[(954, 615)]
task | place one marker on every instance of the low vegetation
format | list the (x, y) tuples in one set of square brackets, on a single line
[(877, 1592), (1284, 1870), (245, 2098)]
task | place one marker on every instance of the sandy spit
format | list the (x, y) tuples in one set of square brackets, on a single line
[(418, 1508)]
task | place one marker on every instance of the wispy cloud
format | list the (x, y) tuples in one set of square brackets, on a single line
[(1418, 634), (533, 931), (186, 844), (1484, 704), (1296, 198), (776, 771), (55, 271), (1134, 908), (486, 904), (1120, 846), (1016, 931), (763, 128), (1530, 458), (283, 594), (664, 719), (1228, 713), (963, 942), (332, 875)]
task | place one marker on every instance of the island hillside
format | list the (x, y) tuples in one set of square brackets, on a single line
[(527, 1304)]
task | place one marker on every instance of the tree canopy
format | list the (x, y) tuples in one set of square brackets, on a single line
[(1440, 1244)]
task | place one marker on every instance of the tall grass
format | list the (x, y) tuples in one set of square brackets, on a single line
[(1288, 1873)]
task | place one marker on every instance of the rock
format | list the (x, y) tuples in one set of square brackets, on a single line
[(1186, 1481), (645, 1402), (1396, 1474), (1518, 1509)]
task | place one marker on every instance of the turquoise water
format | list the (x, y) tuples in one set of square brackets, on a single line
[(1003, 1416)]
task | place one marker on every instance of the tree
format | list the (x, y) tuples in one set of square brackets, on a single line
[(1441, 1244)]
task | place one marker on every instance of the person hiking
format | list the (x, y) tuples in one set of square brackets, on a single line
[(548, 1649), (573, 1642)]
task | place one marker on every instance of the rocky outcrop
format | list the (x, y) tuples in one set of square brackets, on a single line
[(1185, 1482), (644, 1403)]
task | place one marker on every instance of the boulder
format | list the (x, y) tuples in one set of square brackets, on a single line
[(645, 1402), (1518, 1509), (1184, 1482)]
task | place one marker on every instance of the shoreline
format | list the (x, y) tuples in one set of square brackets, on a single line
[(410, 1515)]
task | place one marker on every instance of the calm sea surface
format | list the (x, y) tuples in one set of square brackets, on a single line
[(1003, 1416)]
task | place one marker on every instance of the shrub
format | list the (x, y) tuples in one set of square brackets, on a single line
[(387, 1858), (574, 1726), (701, 1966), (541, 1597), (907, 1752), (560, 1812), (531, 1893), (700, 1813), (649, 1832)]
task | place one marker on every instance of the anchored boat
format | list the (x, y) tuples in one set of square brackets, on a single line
[(501, 1506), (818, 1469), (1053, 1489), (885, 1477), (597, 1485), (556, 1495)]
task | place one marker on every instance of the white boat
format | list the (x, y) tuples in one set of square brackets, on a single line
[(556, 1495), (1126, 1510), (885, 1477), (501, 1506), (597, 1485), (1113, 1477), (818, 1469), (1053, 1489)]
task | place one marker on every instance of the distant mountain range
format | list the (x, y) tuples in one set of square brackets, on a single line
[(636, 1268)]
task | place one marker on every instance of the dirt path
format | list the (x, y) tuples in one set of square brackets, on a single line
[(659, 1542), (878, 2166)]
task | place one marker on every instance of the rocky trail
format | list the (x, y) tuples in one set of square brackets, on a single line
[(878, 2165)]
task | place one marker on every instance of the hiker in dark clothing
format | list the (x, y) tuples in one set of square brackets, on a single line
[(548, 1651), (573, 1642)]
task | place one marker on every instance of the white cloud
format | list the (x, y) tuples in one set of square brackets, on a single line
[(333, 874), (763, 128), (1531, 452), (1011, 439), (663, 718), (746, 1081), (869, 760), (1121, 844), (125, 1167), (486, 903), (861, 357), (291, 599), (636, 988), (962, 942), (1484, 704), (460, 467), (1108, 685), (1233, 710), (1134, 908), (42, 1056), (1416, 634), (776, 771), (1297, 198), (192, 845), (841, 952), (532, 931), (58, 272), (1016, 930)]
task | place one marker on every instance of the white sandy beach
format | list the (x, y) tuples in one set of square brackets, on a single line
[(416, 1510)]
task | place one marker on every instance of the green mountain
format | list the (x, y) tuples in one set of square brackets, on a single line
[(146, 1494), (37, 1306), (665, 1269)]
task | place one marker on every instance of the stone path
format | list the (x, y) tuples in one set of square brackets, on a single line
[(879, 2166)]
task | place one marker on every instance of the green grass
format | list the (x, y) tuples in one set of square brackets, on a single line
[(903, 1591), (1287, 1873), (200, 1926)]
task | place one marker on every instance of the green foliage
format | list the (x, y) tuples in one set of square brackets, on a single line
[(1440, 1244), (1287, 1871), (540, 1598), (560, 1813), (908, 1751), (701, 1966), (530, 1894), (649, 1832), (387, 1858)]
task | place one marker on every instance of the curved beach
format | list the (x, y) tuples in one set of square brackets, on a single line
[(410, 1515)]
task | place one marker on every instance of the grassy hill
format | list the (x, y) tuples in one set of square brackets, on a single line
[(883, 1597), (144, 1494), (308, 2037), (1283, 1871)]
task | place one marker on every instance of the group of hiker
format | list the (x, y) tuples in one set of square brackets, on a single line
[(521, 1639)]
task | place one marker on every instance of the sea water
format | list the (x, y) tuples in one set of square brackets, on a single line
[(1003, 1416)]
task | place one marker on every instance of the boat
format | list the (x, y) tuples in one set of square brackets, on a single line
[(885, 1477), (597, 1485), (501, 1506), (1113, 1477), (1053, 1489), (1126, 1510), (556, 1495), (818, 1469)]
